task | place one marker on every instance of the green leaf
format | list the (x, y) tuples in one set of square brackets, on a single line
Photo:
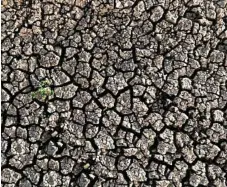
[(86, 166), (33, 94), (41, 91)]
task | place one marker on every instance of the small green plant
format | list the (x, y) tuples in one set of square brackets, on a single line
[(86, 166), (45, 83), (43, 91)]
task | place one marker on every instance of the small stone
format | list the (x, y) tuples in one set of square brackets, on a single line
[(163, 183), (10, 176), (171, 18), (92, 176), (52, 179), (136, 173), (53, 165), (218, 116), (49, 60), (186, 84), (51, 149), (157, 14), (83, 181)]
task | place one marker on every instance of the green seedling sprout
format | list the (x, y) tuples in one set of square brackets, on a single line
[(44, 90), (86, 166)]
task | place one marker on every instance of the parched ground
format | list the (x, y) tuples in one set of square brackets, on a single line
[(114, 93)]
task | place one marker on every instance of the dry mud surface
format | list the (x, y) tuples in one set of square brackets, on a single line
[(114, 93)]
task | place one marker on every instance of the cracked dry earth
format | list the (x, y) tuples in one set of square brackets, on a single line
[(139, 93)]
